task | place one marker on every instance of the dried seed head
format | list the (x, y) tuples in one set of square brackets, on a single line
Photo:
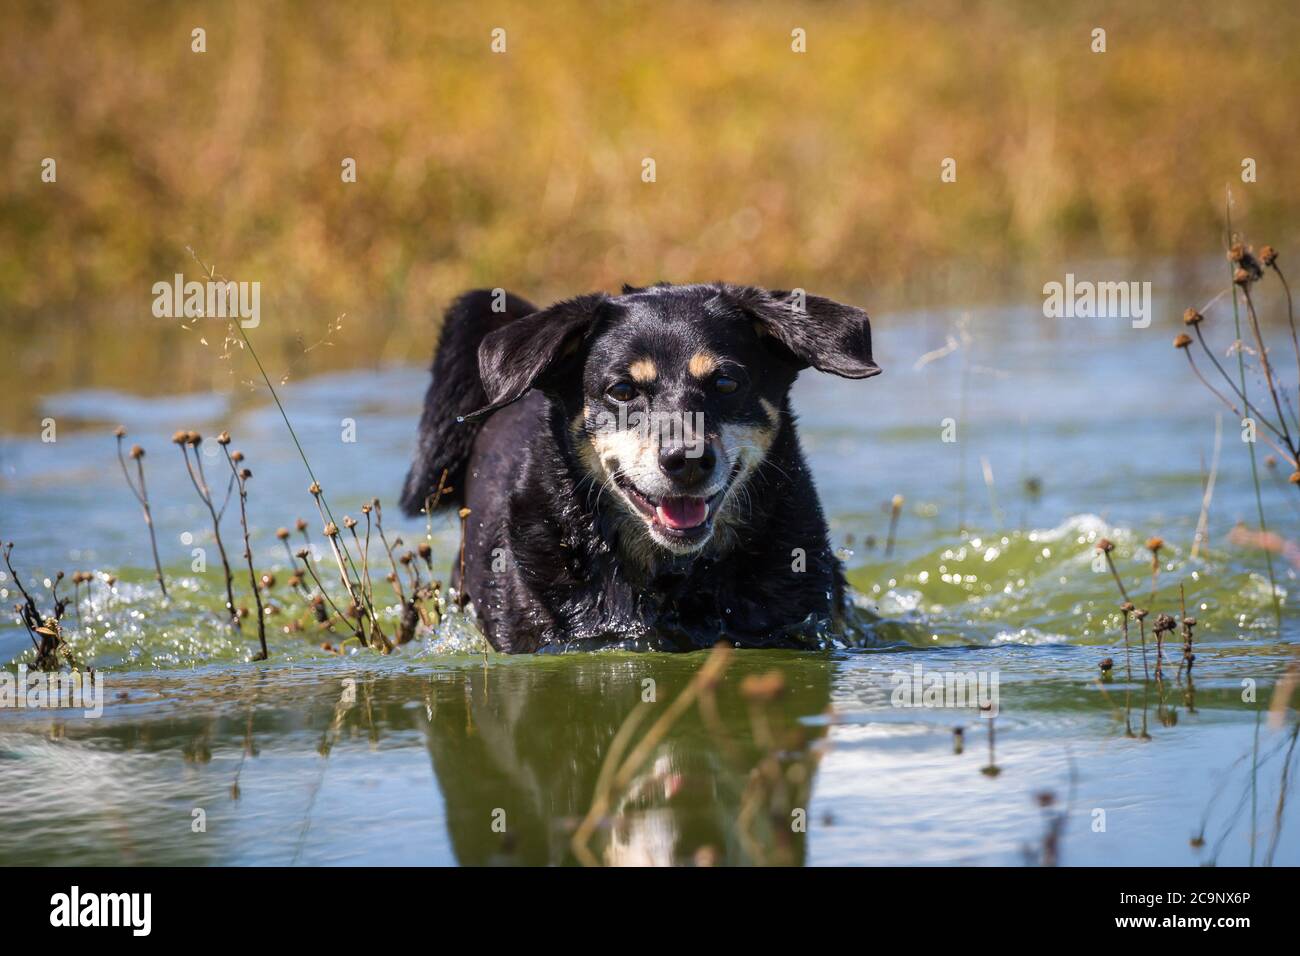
[(1126, 607), (464, 513), (193, 438), (282, 533), (331, 529), (301, 524), (120, 431), (1189, 621), (1164, 623), (349, 521), (268, 580), (137, 452), (236, 456), (302, 553), (1268, 255), (1192, 317), (1236, 252), (1270, 461), (1182, 340), (1155, 544), (1295, 478), (365, 509), (223, 438), (1241, 277), (1106, 664), (295, 580), (245, 474), (896, 502), (406, 558), (314, 488), (1140, 613), (424, 549), (178, 438), (1105, 545)]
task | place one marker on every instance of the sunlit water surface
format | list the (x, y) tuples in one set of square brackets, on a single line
[(1067, 432)]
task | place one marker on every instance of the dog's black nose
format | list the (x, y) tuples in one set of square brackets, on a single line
[(688, 466)]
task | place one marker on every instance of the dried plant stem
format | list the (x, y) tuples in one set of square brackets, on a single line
[(242, 476), (343, 559), (1266, 364), (1128, 659), (1288, 455), (320, 586), (205, 495), (141, 495), (431, 502), (212, 274), (379, 525), (1202, 523), (1115, 574), (895, 509), (347, 581), (28, 610), (364, 550), (1290, 312), (1142, 627), (1236, 389), (992, 770), (1254, 465)]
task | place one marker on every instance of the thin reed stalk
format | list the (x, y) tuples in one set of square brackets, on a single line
[(141, 493), (1254, 465), (187, 442), (895, 509), (242, 474), (1203, 522)]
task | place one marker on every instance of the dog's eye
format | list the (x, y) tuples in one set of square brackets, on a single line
[(725, 384), (621, 392)]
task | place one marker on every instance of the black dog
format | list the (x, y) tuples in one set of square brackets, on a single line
[(631, 465)]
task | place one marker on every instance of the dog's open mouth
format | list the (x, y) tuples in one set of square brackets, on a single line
[(679, 517)]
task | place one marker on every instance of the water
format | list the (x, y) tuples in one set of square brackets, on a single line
[(442, 754)]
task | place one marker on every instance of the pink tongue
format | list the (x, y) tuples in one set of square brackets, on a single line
[(682, 513)]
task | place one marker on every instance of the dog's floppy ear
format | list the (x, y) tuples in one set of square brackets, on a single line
[(815, 331), (530, 352)]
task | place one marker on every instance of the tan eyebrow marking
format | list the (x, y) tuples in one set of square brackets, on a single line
[(773, 415), (702, 364), (643, 370)]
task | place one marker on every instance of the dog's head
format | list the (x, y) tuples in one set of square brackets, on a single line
[(674, 394)]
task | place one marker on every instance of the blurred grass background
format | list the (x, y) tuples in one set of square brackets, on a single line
[(523, 170)]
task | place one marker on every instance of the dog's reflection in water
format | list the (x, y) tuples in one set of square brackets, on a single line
[(518, 751)]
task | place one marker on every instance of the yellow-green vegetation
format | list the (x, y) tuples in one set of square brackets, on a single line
[(524, 168)]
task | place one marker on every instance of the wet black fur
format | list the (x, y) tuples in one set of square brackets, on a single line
[(542, 560)]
